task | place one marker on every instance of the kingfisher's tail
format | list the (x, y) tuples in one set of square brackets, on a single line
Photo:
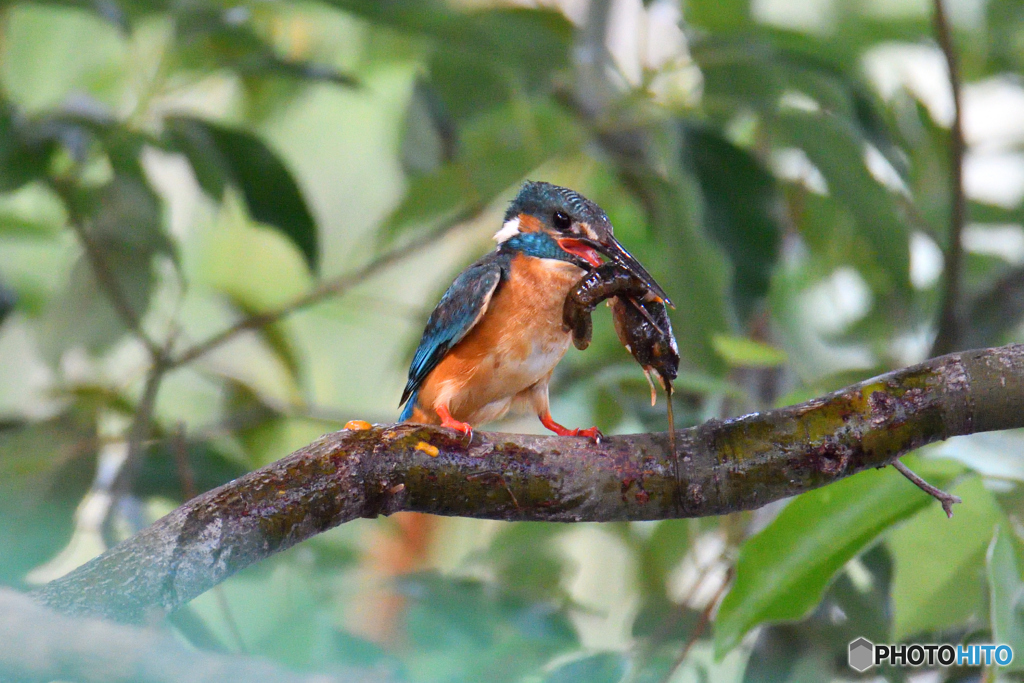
[(410, 405)]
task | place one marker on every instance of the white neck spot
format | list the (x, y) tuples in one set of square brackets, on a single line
[(509, 230)]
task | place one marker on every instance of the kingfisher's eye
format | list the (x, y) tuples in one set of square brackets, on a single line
[(561, 221)]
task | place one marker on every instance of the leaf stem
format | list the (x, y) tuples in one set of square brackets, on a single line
[(698, 628), (138, 435)]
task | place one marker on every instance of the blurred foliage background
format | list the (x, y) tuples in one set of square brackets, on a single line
[(310, 176)]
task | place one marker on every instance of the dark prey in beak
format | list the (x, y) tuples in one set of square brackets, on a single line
[(611, 248)]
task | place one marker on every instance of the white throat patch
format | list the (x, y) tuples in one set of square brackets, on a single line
[(509, 230)]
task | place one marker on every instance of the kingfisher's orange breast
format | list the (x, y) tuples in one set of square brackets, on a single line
[(516, 344)]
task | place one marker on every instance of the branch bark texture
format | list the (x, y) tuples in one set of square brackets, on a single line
[(725, 466)]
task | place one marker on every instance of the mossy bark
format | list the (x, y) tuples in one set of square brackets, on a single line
[(724, 466)]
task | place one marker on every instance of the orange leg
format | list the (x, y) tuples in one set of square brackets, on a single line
[(451, 423), (549, 422)]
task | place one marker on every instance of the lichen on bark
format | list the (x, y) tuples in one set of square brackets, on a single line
[(724, 465)]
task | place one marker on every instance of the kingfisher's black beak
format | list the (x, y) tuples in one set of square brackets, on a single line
[(610, 247)]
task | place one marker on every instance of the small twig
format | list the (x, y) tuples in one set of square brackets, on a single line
[(698, 628), (138, 436), (334, 287), (663, 633), (947, 499), (139, 432), (185, 473), (948, 337)]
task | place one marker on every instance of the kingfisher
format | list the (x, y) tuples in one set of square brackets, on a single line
[(494, 339)]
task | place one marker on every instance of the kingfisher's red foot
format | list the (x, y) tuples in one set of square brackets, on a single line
[(591, 433), (451, 423)]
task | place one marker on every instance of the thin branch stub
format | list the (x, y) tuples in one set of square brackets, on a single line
[(947, 499)]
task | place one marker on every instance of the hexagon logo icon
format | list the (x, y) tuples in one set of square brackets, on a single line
[(862, 655)]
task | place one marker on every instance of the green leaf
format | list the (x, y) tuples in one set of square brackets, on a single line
[(124, 215), (657, 555), (738, 75), (667, 545), (664, 620), (208, 41), (939, 563), (656, 668), (688, 264), (55, 53), (603, 667), (994, 313), (696, 382), (836, 148), (429, 137), (530, 40), (8, 300), (783, 570), (122, 219), (468, 631), (21, 160), (742, 208), (45, 469), (525, 559), (32, 211), (82, 313), (990, 454), (607, 407), (168, 464), (816, 647), (428, 17), (718, 15), (744, 352), (354, 651), (501, 54), (497, 152), (1006, 595), (222, 156), (237, 249), (1005, 34)]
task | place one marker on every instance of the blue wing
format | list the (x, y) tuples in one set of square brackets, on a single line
[(461, 307)]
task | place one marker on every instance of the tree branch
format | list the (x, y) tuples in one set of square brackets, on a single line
[(698, 629), (948, 337), (726, 466), (334, 287), (138, 434), (38, 645)]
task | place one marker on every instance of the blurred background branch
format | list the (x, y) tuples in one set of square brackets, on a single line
[(948, 336), (335, 287), (37, 644)]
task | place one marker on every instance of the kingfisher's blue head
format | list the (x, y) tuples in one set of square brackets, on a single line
[(548, 221)]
